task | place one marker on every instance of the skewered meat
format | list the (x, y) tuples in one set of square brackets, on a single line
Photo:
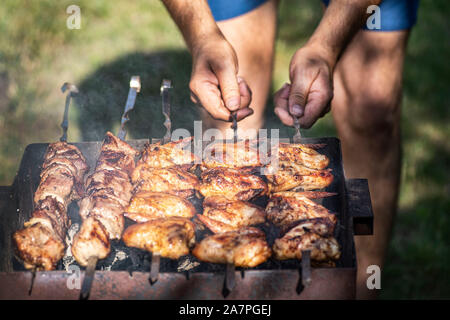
[(145, 206), (174, 153), (222, 215), (300, 154), (314, 235), (108, 192), (231, 155), (283, 209), (290, 176), (231, 183), (91, 241), (169, 180), (169, 237), (111, 183), (38, 245), (41, 243), (307, 194), (244, 248)]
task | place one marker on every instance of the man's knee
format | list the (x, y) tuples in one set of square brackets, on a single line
[(375, 109)]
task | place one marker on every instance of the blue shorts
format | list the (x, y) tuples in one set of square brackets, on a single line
[(395, 14)]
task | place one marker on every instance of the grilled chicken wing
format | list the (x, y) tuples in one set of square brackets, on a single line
[(171, 237), (40, 244), (283, 209), (175, 153), (171, 180), (231, 155), (300, 154), (145, 206), (222, 215), (244, 248), (231, 183), (290, 176), (314, 235)]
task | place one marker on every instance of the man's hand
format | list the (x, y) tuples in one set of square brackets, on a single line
[(309, 95), (214, 82)]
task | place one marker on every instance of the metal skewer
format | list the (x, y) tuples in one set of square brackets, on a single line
[(73, 90), (297, 136), (306, 268), (154, 268), (88, 278), (135, 87), (33, 276), (234, 126), (166, 85), (230, 277)]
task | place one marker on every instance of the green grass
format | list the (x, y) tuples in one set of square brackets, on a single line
[(118, 39)]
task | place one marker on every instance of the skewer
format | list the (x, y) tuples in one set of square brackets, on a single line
[(230, 276), (73, 90), (154, 268), (166, 85), (306, 268), (88, 278), (135, 86), (33, 276)]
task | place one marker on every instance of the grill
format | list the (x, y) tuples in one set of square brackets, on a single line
[(124, 274)]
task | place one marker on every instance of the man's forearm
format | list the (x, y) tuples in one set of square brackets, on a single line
[(194, 19), (340, 22)]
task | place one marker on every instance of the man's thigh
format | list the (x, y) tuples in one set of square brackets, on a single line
[(368, 80)]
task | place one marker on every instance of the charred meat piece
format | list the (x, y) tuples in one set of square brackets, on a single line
[(285, 209), (231, 183), (114, 184), (314, 235), (168, 237), (116, 154), (171, 180), (222, 215), (40, 244), (174, 153), (244, 248), (91, 241), (145, 206), (240, 155)]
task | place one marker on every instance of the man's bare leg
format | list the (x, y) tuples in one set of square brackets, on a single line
[(366, 110), (252, 36)]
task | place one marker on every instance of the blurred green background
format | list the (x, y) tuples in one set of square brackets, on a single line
[(122, 38)]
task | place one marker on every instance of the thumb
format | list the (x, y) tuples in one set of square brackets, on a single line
[(226, 73), (298, 95)]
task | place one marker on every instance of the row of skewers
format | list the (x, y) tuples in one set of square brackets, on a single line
[(157, 189)]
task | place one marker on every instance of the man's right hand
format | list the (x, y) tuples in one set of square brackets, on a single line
[(214, 82)]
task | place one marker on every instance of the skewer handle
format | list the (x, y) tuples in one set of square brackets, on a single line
[(306, 268), (88, 278), (65, 123), (135, 87), (230, 277), (166, 85), (154, 268)]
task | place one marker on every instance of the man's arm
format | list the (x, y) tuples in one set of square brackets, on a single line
[(214, 81), (309, 95)]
